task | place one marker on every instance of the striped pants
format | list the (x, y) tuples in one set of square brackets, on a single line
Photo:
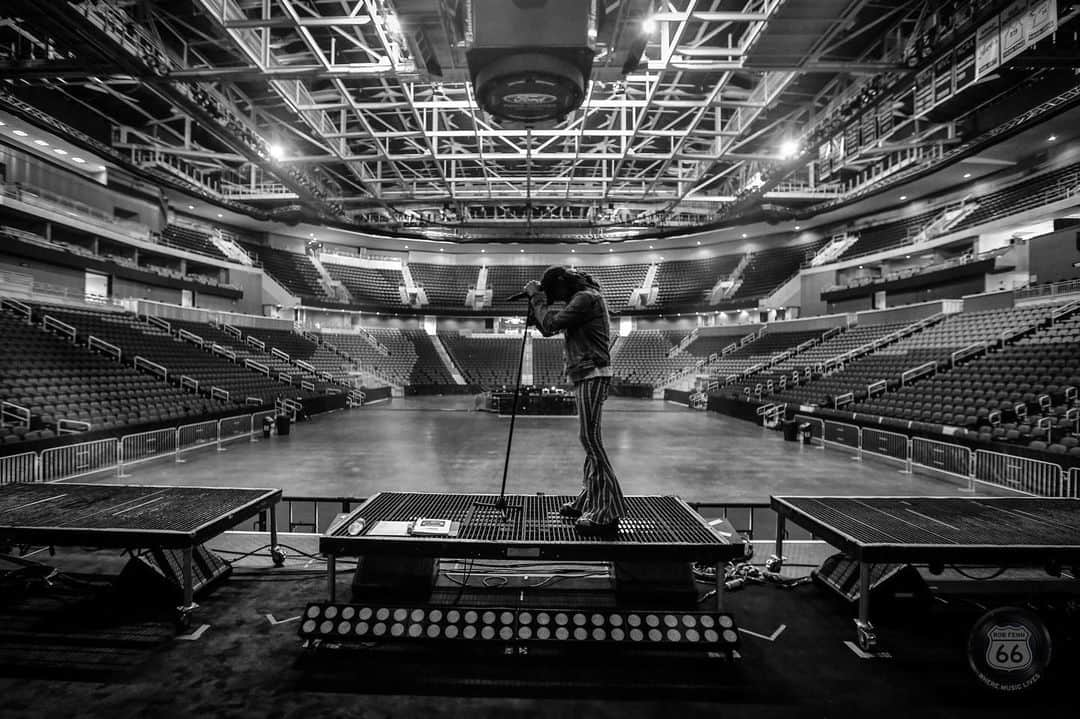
[(601, 498)]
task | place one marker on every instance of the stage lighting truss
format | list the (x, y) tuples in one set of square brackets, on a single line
[(344, 623)]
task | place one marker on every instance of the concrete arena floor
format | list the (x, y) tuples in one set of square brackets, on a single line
[(440, 444)]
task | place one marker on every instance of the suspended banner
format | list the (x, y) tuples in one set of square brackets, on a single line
[(944, 77), (924, 91), (851, 139), (869, 128), (987, 49), (1014, 30), (1041, 21), (965, 64)]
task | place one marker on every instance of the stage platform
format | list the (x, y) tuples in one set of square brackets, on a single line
[(129, 517), (1000, 531)]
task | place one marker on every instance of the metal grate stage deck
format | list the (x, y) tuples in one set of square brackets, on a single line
[(110, 515), (655, 527), (913, 529)]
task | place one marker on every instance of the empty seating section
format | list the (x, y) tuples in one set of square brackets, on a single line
[(57, 380), (137, 338), (934, 344), (412, 359), (814, 356), (689, 282), (506, 280), (490, 361), (368, 285), (769, 268), (618, 282), (705, 345), (765, 347), (210, 333), (889, 234), (188, 238), (293, 271), (642, 358), (446, 286), (547, 356), (1044, 364), (1028, 193)]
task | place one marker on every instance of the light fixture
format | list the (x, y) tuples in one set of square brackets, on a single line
[(277, 152), (1052, 138), (744, 235), (442, 249), (572, 251), (788, 149), (483, 251), (648, 26), (20, 133), (967, 175), (650, 247), (903, 197), (191, 207), (219, 214), (797, 227), (59, 151), (393, 24), (699, 243), (522, 251), (78, 160), (612, 250), (41, 142)]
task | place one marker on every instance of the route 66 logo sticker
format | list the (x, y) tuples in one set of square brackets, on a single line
[(1009, 649)]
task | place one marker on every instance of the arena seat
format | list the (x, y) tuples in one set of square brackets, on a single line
[(688, 283), (56, 379), (292, 270), (137, 338), (412, 358), (446, 286), (547, 356), (189, 238), (490, 361), (368, 285), (642, 357)]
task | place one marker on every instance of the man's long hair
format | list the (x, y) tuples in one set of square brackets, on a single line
[(575, 278)]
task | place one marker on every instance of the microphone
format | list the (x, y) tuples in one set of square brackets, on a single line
[(518, 296)]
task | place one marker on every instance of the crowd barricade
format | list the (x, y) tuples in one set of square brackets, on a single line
[(19, 468), (1072, 489), (848, 435), (942, 457), (891, 445), (1020, 474), (193, 436), (120, 453), (144, 446), (79, 460), (233, 428)]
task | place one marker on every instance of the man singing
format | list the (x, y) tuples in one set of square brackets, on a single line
[(586, 329)]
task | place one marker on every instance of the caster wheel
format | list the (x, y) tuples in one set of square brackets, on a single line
[(774, 564), (277, 554)]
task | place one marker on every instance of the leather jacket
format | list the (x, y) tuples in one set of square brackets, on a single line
[(585, 325)]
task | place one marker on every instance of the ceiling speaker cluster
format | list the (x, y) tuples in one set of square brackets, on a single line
[(530, 60)]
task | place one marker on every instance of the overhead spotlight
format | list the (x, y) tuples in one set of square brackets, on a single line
[(59, 151), (393, 24), (967, 175), (522, 251), (191, 207), (1052, 138), (797, 227), (789, 149), (20, 133), (648, 26), (482, 251), (41, 142), (220, 215), (903, 197), (277, 152), (699, 243), (744, 235), (78, 160)]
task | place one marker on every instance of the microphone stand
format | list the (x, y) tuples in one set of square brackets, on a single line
[(500, 504)]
